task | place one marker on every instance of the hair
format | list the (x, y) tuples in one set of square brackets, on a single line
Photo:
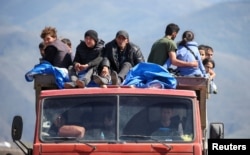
[(41, 45), (207, 60), (202, 47), (48, 31), (66, 41), (171, 28), (210, 48), (93, 34), (186, 37)]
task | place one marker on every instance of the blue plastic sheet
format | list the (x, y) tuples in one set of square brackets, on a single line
[(60, 74), (145, 75)]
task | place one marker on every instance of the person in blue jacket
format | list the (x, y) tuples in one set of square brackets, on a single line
[(187, 50)]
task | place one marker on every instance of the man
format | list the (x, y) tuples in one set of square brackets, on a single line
[(167, 123), (209, 52), (55, 52), (165, 48), (119, 56), (108, 129), (61, 129), (87, 59)]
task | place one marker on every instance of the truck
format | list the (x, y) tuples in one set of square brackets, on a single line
[(120, 120)]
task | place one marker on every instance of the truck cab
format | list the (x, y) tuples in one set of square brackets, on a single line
[(120, 119)]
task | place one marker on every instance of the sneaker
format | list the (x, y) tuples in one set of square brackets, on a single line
[(69, 85), (114, 78), (80, 84), (73, 78), (101, 80)]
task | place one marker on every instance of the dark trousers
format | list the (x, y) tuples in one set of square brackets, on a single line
[(126, 66)]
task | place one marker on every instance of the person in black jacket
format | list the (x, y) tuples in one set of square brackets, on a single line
[(55, 52), (87, 58), (119, 56)]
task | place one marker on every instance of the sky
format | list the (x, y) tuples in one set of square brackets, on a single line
[(139, 18), (145, 21)]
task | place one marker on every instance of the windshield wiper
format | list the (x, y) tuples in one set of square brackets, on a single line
[(169, 147), (134, 136), (60, 139), (64, 139)]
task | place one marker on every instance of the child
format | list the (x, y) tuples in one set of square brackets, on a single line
[(209, 65), (202, 50)]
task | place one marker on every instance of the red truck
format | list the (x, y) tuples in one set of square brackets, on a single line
[(120, 120)]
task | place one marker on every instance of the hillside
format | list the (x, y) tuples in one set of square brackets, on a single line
[(224, 26)]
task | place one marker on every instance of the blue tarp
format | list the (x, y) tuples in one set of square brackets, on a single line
[(145, 75), (60, 74)]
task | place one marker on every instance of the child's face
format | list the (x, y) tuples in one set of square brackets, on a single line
[(48, 39), (209, 66), (202, 53)]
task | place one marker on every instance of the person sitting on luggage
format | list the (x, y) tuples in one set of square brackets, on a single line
[(120, 55), (55, 52), (87, 59)]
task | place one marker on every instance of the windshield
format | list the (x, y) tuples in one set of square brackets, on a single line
[(117, 118)]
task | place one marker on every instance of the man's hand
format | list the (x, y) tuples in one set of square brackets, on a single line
[(83, 67), (181, 63), (79, 67)]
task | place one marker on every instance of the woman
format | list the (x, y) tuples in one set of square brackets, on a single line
[(187, 50)]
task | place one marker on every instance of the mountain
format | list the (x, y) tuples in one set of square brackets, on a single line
[(224, 26)]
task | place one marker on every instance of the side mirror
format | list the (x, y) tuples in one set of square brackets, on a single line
[(17, 128), (216, 131)]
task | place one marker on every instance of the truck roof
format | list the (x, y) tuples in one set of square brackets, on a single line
[(118, 90)]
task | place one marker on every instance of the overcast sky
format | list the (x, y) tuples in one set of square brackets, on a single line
[(73, 18)]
